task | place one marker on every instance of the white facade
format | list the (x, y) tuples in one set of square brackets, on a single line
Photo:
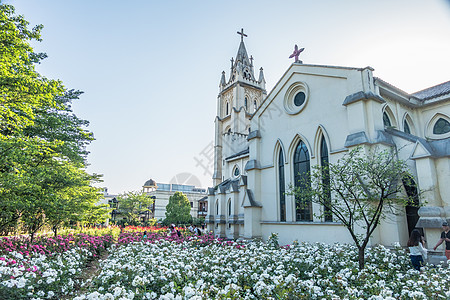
[(343, 108), (163, 191)]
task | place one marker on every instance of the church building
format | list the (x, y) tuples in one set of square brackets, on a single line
[(316, 113)]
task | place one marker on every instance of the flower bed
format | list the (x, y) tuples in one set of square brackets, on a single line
[(47, 268), (164, 269), (50, 245)]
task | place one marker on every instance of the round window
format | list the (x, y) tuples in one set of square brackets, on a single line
[(299, 99), (296, 98)]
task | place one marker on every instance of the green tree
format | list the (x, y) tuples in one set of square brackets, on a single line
[(178, 209), (133, 204), (365, 187), (42, 143)]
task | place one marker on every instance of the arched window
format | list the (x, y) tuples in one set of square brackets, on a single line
[(324, 163), (386, 120), (302, 179), (245, 103), (406, 128), (229, 213), (217, 207), (255, 105), (228, 109), (282, 186), (413, 204), (442, 126)]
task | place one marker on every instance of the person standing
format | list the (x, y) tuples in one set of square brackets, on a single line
[(417, 252), (445, 237)]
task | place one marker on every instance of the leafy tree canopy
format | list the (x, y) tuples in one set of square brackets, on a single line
[(132, 204), (42, 142), (178, 210)]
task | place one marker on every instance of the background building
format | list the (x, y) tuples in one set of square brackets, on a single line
[(163, 191)]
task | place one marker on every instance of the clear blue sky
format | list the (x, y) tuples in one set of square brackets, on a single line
[(150, 69)]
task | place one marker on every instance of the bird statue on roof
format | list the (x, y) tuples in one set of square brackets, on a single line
[(296, 53)]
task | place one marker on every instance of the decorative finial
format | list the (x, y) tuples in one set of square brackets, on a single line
[(242, 34), (296, 53), (251, 61), (232, 62)]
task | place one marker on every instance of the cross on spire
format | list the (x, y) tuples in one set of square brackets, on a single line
[(296, 53), (242, 34)]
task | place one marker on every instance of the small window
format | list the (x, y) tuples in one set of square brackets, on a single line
[(299, 99), (386, 120), (228, 108), (245, 103), (229, 207), (192, 204), (442, 126), (255, 105), (236, 172), (406, 128)]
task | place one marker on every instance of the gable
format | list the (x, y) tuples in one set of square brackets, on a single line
[(324, 88)]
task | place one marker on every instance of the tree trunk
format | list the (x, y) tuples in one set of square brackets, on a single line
[(32, 237), (361, 257), (55, 230)]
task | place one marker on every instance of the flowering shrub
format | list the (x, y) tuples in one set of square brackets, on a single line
[(144, 228), (111, 230), (48, 268), (163, 269), (50, 245), (153, 237), (41, 276), (166, 266)]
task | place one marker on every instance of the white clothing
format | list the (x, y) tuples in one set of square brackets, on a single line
[(418, 250)]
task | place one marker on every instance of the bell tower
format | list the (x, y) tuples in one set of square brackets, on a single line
[(238, 99)]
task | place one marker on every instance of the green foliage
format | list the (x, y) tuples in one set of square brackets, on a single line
[(42, 143), (133, 204), (365, 187), (178, 210)]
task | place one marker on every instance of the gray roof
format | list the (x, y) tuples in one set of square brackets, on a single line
[(246, 151), (434, 91), (362, 96), (437, 148)]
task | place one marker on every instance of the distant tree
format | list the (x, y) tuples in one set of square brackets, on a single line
[(133, 204), (360, 190), (178, 210)]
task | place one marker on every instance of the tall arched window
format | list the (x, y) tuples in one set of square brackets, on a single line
[(282, 186), (229, 212), (413, 204), (217, 207), (324, 163), (406, 128), (245, 102), (255, 105), (386, 120), (228, 108), (303, 207)]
